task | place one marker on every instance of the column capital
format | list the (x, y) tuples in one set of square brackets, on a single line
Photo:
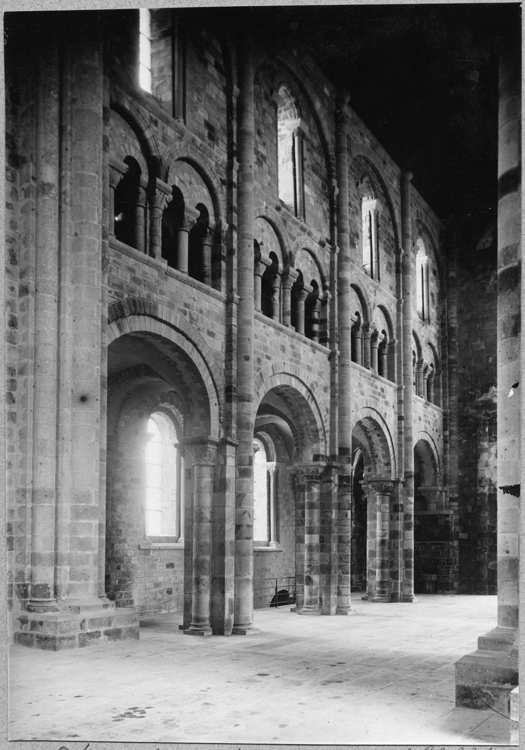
[(203, 450), (307, 474), (378, 486), (117, 170), (289, 277), (303, 293), (260, 266)]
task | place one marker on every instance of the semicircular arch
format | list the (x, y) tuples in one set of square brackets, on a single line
[(379, 441), (303, 406), (203, 165), (360, 151), (145, 133), (175, 330)]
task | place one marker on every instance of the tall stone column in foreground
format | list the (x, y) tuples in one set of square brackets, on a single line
[(245, 316), (486, 676), (344, 436), (407, 594)]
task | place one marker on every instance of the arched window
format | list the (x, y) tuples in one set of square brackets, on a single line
[(127, 202), (172, 225), (290, 154), (162, 58), (422, 277), (356, 333), (369, 237), (145, 50), (312, 313), (264, 496), (270, 289), (164, 477)]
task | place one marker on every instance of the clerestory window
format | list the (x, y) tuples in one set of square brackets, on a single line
[(145, 79), (290, 154), (422, 282), (162, 58), (369, 234)]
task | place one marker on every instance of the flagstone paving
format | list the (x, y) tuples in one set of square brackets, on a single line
[(383, 675)]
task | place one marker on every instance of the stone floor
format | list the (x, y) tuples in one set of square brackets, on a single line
[(384, 675)]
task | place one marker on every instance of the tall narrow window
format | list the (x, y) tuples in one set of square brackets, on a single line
[(290, 154), (145, 50), (163, 480), (422, 290), (261, 494), (369, 237)]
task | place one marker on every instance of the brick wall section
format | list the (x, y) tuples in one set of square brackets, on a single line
[(205, 87)]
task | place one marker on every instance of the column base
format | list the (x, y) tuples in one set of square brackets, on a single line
[(309, 612), (76, 626), (382, 598), (409, 598), (244, 630), (198, 631), (485, 679), (42, 605)]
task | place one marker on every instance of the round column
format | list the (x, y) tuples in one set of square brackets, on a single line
[(140, 218), (203, 452), (206, 246), (44, 489), (358, 336), (302, 294), (407, 287), (367, 354), (183, 234), (243, 605), (157, 203), (344, 371), (308, 487), (382, 493), (509, 281), (288, 281), (374, 348), (276, 297), (258, 272)]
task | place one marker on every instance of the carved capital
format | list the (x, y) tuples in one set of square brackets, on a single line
[(260, 267), (307, 474), (378, 487), (201, 450), (289, 277)]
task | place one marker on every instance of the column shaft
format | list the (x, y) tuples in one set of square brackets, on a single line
[(206, 246), (509, 286), (182, 249), (344, 317), (203, 453), (45, 338), (408, 525), (243, 615)]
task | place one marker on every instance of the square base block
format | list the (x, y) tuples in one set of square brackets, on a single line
[(55, 631), (485, 679)]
